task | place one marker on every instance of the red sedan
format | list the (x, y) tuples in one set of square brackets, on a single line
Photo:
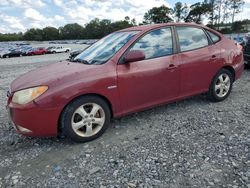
[(127, 71), (37, 51)]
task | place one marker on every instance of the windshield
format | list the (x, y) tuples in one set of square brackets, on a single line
[(101, 51)]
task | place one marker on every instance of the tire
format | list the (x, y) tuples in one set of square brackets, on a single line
[(77, 119), (221, 86)]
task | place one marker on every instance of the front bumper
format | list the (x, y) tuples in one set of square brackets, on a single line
[(32, 120)]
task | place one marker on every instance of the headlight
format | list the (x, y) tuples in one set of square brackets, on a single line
[(27, 95)]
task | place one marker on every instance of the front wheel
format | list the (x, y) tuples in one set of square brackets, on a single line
[(221, 86), (85, 119)]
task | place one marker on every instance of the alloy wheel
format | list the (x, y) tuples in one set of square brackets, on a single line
[(88, 119), (222, 85)]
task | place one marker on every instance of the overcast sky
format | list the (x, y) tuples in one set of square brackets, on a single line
[(20, 15)]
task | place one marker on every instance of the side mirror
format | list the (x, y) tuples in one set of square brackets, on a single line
[(134, 55)]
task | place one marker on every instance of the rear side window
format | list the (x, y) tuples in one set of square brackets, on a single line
[(191, 38), (215, 38), (156, 43)]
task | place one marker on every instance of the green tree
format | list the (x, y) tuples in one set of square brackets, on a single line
[(50, 33), (180, 11), (71, 31), (93, 29), (226, 12), (11, 36), (99, 28), (236, 6), (196, 12), (237, 26), (33, 34), (212, 12), (158, 15), (120, 25)]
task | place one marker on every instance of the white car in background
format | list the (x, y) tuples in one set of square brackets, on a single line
[(59, 49)]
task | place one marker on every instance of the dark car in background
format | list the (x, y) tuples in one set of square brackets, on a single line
[(75, 53), (246, 53), (11, 53)]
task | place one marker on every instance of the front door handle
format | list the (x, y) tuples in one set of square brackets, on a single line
[(171, 66), (213, 57)]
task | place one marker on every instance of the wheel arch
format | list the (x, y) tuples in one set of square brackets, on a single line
[(231, 69), (77, 97)]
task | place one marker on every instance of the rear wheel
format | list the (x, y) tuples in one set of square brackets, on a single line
[(85, 119), (221, 86)]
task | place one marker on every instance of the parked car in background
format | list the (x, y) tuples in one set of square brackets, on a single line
[(25, 50), (59, 49), (49, 48), (75, 53), (4, 53), (90, 42), (11, 53), (37, 51), (239, 40), (246, 52), (127, 71)]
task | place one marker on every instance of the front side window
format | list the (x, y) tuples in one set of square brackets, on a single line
[(101, 51), (156, 43), (191, 38)]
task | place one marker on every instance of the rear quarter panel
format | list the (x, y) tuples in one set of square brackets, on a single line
[(232, 56)]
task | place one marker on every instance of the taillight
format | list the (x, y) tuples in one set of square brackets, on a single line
[(239, 46)]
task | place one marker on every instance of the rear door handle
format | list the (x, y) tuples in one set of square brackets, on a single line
[(171, 66)]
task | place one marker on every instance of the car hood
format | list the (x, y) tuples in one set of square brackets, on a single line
[(49, 74)]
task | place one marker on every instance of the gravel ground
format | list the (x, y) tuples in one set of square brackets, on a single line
[(191, 143)]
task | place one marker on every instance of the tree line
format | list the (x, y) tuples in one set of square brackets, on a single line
[(93, 30), (220, 13)]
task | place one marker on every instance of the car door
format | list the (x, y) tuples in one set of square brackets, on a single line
[(61, 49), (198, 60), (154, 80), (39, 51)]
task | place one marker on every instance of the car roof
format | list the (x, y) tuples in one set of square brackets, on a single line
[(145, 28), (153, 26)]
